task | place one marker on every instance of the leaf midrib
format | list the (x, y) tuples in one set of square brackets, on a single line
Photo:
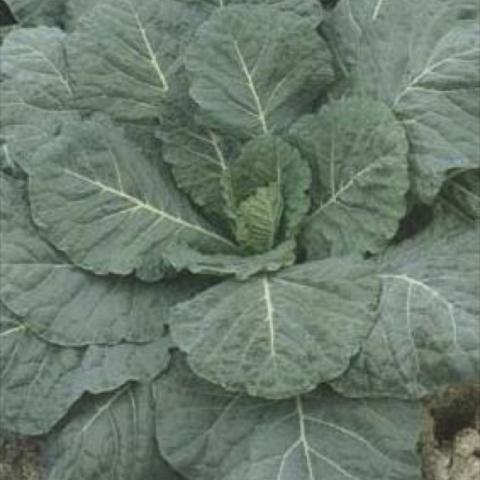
[(146, 206)]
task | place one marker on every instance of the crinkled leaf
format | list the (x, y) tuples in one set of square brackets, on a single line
[(40, 381), (462, 193), (358, 152), (109, 436), (242, 267), (279, 335), (31, 13), (268, 160), (64, 304), (258, 219), (428, 332), (209, 434), (98, 199), (128, 55), (273, 65), (421, 58)]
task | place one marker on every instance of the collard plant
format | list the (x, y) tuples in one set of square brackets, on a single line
[(212, 266)]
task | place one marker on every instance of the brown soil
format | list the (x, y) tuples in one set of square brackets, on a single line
[(20, 459), (451, 439)]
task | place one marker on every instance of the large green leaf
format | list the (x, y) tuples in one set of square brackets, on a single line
[(101, 201), (209, 434), (421, 58), (65, 305), (273, 65), (428, 331), (30, 13), (279, 335), (109, 436), (128, 54), (37, 92), (40, 381), (358, 152)]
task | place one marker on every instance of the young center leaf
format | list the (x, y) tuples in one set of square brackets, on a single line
[(269, 162), (272, 64), (109, 435), (279, 335), (98, 199), (427, 335), (209, 434), (358, 153), (258, 219)]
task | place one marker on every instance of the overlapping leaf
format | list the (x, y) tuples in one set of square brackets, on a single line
[(40, 381), (272, 64), (279, 335), (209, 434), (65, 305), (358, 152), (101, 201), (428, 332), (422, 60), (109, 435)]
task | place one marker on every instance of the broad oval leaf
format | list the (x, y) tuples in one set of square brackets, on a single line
[(273, 65), (111, 435), (128, 55), (40, 381), (97, 198), (210, 434), (65, 305), (428, 332), (279, 335), (358, 153)]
